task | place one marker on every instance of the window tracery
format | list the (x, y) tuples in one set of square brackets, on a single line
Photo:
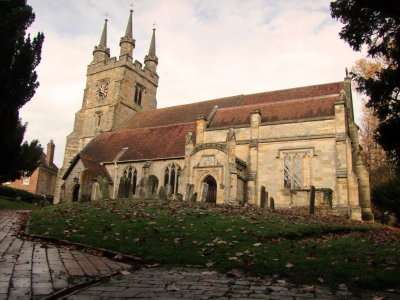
[(171, 176)]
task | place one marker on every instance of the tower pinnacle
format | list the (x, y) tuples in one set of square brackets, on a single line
[(127, 43), (101, 52), (151, 59)]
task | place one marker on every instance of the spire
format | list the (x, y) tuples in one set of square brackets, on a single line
[(101, 52), (103, 39), (151, 59), (127, 43), (128, 31), (152, 49)]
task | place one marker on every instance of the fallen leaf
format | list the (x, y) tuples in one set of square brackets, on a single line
[(289, 265), (172, 287), (210, 264), (235, 273), (257, 244), (125, 272), (309, 289)]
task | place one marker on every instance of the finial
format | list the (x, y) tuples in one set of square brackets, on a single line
[(131, 5), (106, 17), (347, 72), (154, 25)]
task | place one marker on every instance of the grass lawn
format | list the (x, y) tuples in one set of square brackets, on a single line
[(304, 248), (8, 204)]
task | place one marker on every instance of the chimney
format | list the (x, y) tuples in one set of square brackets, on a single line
[(50, 153)]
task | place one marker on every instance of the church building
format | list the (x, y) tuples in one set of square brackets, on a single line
[(270, 148)]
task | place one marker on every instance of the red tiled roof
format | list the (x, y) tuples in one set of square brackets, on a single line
[(94, 165), (312, 91), (276, 111), (189, 112), (142, 143), (177, 114)]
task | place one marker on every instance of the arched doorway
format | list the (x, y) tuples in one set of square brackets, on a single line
[(75, 193), (212, 189)]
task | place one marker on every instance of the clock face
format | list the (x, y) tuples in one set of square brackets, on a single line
[(102, 89)]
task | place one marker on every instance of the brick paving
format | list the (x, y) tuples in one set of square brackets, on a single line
[(31, 270), (191, 283)]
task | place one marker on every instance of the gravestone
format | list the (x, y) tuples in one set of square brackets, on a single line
[(193, 197), (152, 187), (179, 197), (86, 180), (104, 192), (312, 200), (142, 193), (168, 190), (162, 195), (272, 203), (124, 187), (204, 192), (263, 197), (189, 191)]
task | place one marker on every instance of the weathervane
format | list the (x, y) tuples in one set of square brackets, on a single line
[(131, 5), (106, 15), (154, 25)]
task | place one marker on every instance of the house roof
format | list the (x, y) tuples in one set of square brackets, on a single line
[(44, 164)]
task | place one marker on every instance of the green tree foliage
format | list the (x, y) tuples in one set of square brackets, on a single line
[(19, 56), (386, 196), (376, 26)]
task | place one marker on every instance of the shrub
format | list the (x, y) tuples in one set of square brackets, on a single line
[(12, 193)]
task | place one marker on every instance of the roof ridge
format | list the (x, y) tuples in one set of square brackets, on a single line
[(170, 125), (277, 101), (294, 88)]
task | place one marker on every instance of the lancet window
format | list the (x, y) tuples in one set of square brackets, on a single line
[(171, 176), (131, 174), (138, 94)]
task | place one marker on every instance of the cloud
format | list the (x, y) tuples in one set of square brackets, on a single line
[(206, 49)]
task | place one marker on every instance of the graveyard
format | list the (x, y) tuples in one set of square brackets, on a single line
[(235, 240)]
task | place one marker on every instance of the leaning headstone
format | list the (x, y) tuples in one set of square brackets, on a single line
[(312, 200), (187, 192), (86, 180), (124, 187), (152, 187), (104, 192), (162, 195), (204, 192), (272, 203), (194, 197)]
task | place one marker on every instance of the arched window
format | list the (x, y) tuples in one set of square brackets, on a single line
[(172, 174), (131, 174)]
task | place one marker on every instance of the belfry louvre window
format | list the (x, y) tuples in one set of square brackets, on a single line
[(138, 93), (293, 169), (171, 176)]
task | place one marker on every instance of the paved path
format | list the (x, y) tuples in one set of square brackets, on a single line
[(190, 283), (33, 270)]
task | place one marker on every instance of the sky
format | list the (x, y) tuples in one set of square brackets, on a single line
[(207, 49)]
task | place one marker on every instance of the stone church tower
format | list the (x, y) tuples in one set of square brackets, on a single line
[(115, 90)]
